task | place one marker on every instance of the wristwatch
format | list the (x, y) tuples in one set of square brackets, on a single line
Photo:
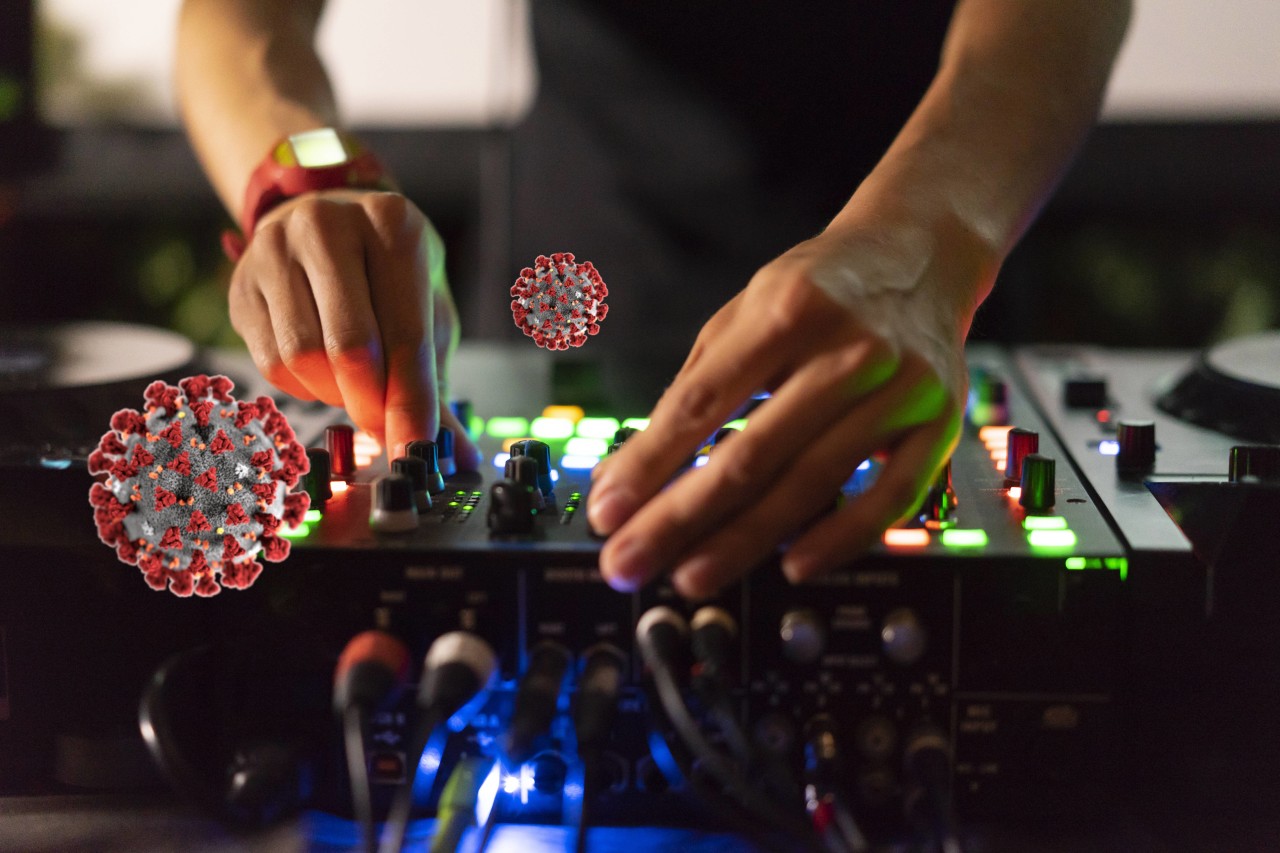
[(321, 159)]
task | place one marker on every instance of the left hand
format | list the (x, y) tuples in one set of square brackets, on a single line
[(879, 371)]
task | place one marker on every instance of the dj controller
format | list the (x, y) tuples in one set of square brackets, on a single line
[(1077, 621)]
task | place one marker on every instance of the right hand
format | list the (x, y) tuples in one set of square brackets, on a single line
[(341, 296)]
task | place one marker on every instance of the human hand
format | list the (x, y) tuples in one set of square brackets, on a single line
[(341, 296), (881, 370)]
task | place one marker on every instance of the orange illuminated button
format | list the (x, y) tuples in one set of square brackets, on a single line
[(338, 486), (568, 413), (994, 436), (1015, 492), (906, 537)]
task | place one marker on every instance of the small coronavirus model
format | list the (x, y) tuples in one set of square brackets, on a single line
[(558, 302), (197, 486)]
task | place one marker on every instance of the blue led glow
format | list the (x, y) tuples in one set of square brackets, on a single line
[(55, 464), (699, 461), (1109, 447), (500, 460), (555, 475), (487, 794), (865, 466)]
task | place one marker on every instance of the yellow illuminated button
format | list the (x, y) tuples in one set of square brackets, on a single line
[(906, 537), (992, 436), (572, 414)]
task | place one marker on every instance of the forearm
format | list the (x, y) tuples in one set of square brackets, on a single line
[(247, 74), (1019, 85)]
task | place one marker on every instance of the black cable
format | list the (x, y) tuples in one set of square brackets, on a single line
[(594, 709), (536, 699), (358, 774), (659, 634), (458, 667)]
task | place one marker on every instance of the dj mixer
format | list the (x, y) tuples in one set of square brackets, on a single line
[(1073, 622)]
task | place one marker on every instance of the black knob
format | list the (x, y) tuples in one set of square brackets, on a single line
[(510, 508), (393, 508), (803, 635), (1137, 446), (523, 470), (940, 501), (624, 433), (427, 452), (416, 470), (444, 444), (1084, 392), (316, 482), (1255, 463), (1021, 443), (340, 441), (539, 452), (1037, 483)]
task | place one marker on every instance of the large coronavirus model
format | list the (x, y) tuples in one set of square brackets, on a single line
[(558, 302), (197, 486)]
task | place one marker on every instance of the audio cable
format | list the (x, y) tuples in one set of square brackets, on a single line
[(927, 799), (457, 808), (458, 668), (594, 710), (713, 633), (824, 793), (661, 634), (370, 671)]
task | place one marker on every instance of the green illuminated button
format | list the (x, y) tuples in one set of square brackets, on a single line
[(964, 538), (1051, 539), (636, 423), (312, 515), (550, 428), (1076, 563), (1044, 522), (507, 427), (475, 426), (602, 428), (586, 447), (299, 532)]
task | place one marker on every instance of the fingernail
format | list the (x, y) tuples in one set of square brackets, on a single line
[(627, 566), (608, 510)]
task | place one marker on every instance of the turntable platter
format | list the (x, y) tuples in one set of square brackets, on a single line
[(80, 355), (1232, 388)]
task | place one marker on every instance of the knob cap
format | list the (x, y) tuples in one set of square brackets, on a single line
[(319, 472), (416, 470), (1084, 392), (340, 441), (903, 637), (523, 470), (1137, 446), (444, 445), (803, 635), (393, 508), (539, 452), (624, 433), (510, 508), (427, 452), (940, 501), (1037, 483), (1255, 463), (1022, 443)]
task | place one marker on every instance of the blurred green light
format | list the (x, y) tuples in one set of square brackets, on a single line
[(507, 427), (550, 428), (299, 532), (636, 423), (312, 515), (598, 428), (1120, 564), (475, 426), (740, 423), (964, 538), (1051, 539), (1044, 522), (586, 447), (1075, 563)]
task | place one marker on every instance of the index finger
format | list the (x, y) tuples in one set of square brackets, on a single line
[(744, 357)]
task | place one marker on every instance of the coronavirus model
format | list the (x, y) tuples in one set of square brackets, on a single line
[(197, 485), (558, 302)]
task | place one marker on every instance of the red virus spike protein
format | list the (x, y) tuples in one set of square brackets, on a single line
[(194, 488), (558, 302)]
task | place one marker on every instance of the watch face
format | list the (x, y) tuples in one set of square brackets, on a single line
[(317, 149)]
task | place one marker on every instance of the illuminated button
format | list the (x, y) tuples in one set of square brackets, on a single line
[(312, 516), (578, 462), (1109, 447), (1076, 563), (475, 425), (545, 428), (507, 427), (299, 532), (964, 538), (586, 447), (739, 424), (1044, 522), (601, 428), (500, 459), (994, 436), (906, 537), (339, 487), (1051, 539), (572, 414), (636, 423), (366, 444), (1015, 492)]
